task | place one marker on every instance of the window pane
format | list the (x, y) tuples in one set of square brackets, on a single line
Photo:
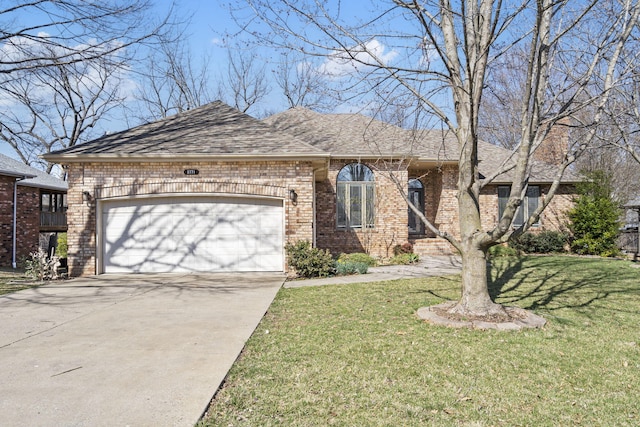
[(45, 202), (355, 206), (415, 183), (355, 172), (503, 197), (533, 194), (341, 208), (370, 205), (519, 218)]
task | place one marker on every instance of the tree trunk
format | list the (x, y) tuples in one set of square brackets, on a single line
[(475, 300), (474, 243)]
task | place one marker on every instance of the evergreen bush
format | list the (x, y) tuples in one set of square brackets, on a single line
[(308, 261), (358, 257), (351, 267), (595, 217), (543, 242)]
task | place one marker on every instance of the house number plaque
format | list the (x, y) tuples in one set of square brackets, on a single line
[(191, 171)]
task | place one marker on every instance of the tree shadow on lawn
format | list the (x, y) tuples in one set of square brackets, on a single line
[(557, 282)]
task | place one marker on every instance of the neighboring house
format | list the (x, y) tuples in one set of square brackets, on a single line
[(32, 204), (630, 234), (213, 189), (632, 213)]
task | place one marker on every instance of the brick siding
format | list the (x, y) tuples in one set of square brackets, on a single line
[(105, 181), (108, 180), (28, 221), (390, 215)]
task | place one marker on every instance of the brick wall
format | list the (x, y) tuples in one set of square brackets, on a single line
[(390, 214), (441, 207), (554, 217), (274, 179), (28, 221), (108, 180)]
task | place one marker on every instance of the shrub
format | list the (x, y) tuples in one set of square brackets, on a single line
[(308, 261), (543, 242), (351, 267), (595, 217), (62, 249), (405, 248), (358, 257), (405, 259), (41, 267), (502, 251)]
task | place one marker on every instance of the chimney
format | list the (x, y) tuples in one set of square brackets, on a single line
[(554, 147)]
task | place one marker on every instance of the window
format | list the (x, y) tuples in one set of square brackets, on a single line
[(416, 196), (53, 211), (355, 196), (528, 206)]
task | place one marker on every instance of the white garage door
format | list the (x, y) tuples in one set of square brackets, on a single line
[(184, 234)]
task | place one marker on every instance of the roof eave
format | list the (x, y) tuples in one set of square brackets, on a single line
[(17, 174), (395, 156), (52, 187), (132, 158)]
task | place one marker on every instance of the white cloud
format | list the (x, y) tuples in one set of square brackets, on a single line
[(356, 59)]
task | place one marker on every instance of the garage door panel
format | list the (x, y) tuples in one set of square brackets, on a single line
[(185, 234)]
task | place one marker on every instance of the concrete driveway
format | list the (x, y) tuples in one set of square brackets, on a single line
[(126, 350)]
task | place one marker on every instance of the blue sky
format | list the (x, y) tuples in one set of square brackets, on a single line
[(210, 21)]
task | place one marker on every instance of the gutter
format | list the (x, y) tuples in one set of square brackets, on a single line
[(200, 157)]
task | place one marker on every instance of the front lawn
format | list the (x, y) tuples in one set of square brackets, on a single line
[(356, 355), (14, 280)]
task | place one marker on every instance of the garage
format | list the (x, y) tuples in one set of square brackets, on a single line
[(191, 234)]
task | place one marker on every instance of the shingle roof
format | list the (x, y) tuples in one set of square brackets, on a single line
[(35, 178), (355, 135), (213, 130)]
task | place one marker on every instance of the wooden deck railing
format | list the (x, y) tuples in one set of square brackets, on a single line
[(53, 220)]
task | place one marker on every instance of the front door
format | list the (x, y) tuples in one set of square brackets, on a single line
[(416, 197)]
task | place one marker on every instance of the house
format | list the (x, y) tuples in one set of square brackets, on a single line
[(630, 233), (32, 206), (213, 189)]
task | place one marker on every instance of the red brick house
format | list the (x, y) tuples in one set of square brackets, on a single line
[(213, 189), (32, 203)]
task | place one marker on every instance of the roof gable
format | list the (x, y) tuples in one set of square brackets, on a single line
[(32, 177), (215, 129)]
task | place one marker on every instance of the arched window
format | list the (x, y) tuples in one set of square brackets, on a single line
[(355, 196), (416, 196)]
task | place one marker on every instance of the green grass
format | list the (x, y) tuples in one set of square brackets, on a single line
[(356, 355), (14, 280)]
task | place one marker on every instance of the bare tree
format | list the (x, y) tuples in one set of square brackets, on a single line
[(62, 32), (62, 66), (172, 81), (624, 115), (441, 53), (300, 83), (499, 119), (245, 83), (56, 107)]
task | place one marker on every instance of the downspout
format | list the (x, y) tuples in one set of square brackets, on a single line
[(14, 264), (313, 206)]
